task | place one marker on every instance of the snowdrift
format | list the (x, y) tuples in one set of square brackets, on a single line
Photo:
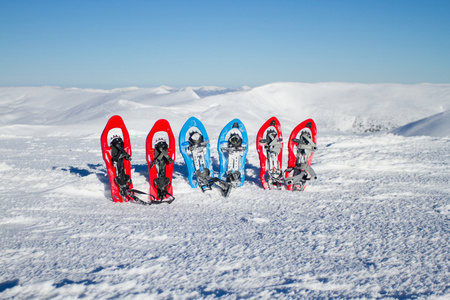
[(437, 125)]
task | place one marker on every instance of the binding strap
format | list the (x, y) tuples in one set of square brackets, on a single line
[(272, 143), (118, 155), (305, 145), (123, 181), (302, 171), (162, 182), (205, 182)]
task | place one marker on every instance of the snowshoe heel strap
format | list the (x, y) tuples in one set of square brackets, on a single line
[(162, 182), (224, 186), (233, 176), (309, 170), (203, 179)]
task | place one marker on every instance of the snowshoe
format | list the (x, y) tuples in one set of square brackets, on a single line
[(269, 144), (116, 148), (160, 148), (301, 145), (233, 147)]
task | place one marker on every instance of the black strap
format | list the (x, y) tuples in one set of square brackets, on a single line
[(225, 187), (118, 149), (162, 182), (161, 154), (118, 155)]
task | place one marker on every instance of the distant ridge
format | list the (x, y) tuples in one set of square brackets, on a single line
[(344, 107)]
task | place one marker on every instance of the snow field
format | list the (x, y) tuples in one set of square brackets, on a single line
[(374, 225)]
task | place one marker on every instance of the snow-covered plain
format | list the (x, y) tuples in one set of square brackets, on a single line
[(376, 223)]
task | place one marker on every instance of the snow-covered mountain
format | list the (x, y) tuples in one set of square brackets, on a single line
[(376, 223), (344, 107)]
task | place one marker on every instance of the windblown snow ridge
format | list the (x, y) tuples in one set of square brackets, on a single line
[(437, 125)]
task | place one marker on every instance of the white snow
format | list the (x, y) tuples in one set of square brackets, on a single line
[(376, 223), (436, 125)]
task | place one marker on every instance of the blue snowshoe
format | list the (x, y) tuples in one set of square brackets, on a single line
[(233, 147)]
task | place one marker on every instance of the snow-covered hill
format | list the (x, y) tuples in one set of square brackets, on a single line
[(344, 107), (436, 125), (376, 223)]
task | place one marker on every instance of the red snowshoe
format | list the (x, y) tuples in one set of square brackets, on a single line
[(160, 148), (269, 143), (301, 145), (116, 149)]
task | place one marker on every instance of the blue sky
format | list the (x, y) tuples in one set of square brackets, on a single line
[(107, 44)]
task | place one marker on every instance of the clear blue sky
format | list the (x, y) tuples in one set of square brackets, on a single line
[(106, 44)]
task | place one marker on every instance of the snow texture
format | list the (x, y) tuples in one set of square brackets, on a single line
[(376, 223)]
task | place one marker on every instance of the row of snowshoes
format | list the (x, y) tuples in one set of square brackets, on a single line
[(301, 148), (160, 155), (232, 147), (195, 148)]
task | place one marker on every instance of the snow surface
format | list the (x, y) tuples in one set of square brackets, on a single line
[(376, 223)]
